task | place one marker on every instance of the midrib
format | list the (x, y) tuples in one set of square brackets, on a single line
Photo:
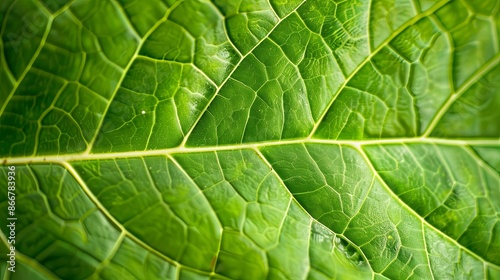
[(182, 149)]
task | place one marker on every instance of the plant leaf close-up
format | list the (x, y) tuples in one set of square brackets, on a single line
[(250, 139)]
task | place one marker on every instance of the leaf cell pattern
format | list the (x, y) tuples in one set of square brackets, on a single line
[(304, 139)]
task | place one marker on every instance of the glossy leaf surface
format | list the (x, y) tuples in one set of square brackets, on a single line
[(163, 139)]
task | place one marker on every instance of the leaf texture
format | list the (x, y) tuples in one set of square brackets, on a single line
[(251, 139)]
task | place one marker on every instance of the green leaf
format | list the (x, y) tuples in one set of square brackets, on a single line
[(166, 139)]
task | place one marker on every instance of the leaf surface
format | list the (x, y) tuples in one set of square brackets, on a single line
[(251, 139)]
